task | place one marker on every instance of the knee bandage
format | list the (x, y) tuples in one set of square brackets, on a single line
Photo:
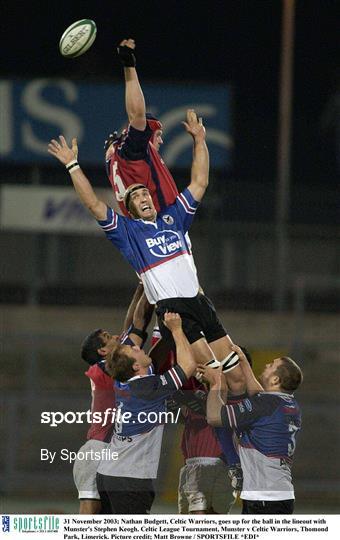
[(230, 362), (213, 363)]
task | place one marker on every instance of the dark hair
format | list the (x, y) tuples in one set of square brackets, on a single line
[(90, 346), (289, 373), (120, 365)]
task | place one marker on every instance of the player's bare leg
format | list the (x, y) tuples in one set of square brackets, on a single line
[(219, 350), (235, 378)]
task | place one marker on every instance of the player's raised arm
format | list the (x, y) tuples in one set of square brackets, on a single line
[(69, 157), (134, 98), (131, 309), (217, 387), (185, 356), (200, 162), (141, 318)]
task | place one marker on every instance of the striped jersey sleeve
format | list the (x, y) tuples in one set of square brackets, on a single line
[(185, 208), (246, 412), (115, 228), (159, 385), (111, 222)]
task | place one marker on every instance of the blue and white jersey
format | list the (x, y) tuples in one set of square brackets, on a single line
[(138, 441), (144, 398), (158, 250), (267, 425)]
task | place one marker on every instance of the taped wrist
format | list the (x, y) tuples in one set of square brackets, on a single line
[(126, 56), (72, 166), (230, 362)]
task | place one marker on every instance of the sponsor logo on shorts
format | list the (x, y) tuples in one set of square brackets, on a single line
[(163, 379), (241, 407)]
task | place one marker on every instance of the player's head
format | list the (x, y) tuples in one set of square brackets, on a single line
[(282, 374), (97, 345), (139, 203), (156, 138), (157, 129), (126, 361), (108, 146)]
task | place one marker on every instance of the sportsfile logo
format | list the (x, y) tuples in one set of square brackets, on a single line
[(164, 243), (29, 524)]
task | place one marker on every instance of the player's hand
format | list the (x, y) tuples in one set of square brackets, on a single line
[(172, 321), (194, 126), (61, 151), (110, 139), (242, 357), (212, 376), (125, 52)]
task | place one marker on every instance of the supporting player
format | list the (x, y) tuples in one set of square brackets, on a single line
[(203, 480), (125, 485), (266, 424), (95, 349)]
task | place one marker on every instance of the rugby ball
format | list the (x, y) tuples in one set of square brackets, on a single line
[(78, 38)]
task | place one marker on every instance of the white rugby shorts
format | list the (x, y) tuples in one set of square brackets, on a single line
[(85, 470)]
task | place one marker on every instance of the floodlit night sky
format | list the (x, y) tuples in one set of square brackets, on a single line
[(236, 41)]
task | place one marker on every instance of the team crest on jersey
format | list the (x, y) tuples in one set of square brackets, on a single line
[(169, 220)]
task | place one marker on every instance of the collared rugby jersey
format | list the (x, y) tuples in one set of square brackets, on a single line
[(267, 425), (138, 440), (144, 398), (136, 160), (103, 396), (158, 250)]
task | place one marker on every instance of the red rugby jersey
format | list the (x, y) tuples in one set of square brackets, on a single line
[(198, 438), (103, 397), (136, 160)]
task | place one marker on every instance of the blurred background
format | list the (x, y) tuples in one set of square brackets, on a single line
[(264, 74)]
